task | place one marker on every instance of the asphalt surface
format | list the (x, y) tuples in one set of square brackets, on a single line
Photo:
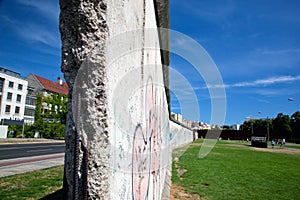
[(26, 157), (12, 151)]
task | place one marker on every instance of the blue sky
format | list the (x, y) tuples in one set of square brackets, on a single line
[(256, 47), (254, 44)]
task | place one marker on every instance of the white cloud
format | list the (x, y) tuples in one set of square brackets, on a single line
[(255, 83), (48, 9), (40, 34), (208, 10), (278, 52), (34, 32)]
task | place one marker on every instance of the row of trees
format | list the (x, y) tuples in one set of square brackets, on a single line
[(283, 126)]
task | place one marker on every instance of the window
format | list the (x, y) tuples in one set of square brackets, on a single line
[(17, 110), (30, 101), (29, 112), (11, 84), (18, 98), (9, 96), (7, 108), (20, 87)]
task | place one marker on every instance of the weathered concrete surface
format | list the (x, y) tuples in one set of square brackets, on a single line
[(140, 131), (83, 26), (120, 146)]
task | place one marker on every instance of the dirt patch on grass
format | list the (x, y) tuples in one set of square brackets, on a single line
[(196, 144), (178, 192), (279, 150), (16, 186), (179, 171)]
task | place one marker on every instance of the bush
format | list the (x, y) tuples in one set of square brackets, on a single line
[(46, 129)]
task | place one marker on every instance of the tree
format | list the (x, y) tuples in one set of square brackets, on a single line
[(259, 127), (282, 127), (247, 125), (38, 121), (42, 124), (295, 124)]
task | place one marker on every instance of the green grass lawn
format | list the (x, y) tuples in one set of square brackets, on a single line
[(232, 170), (32, 185), (237, 171), (293, 146)]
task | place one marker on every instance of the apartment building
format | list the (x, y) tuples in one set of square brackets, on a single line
[(13, 91)]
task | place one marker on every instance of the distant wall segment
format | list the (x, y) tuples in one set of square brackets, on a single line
[(180, 135)]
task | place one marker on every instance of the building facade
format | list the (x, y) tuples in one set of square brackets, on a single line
[(30, 106), (51, 98), (13, 91)]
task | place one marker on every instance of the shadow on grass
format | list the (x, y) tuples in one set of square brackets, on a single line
[(54, 196)]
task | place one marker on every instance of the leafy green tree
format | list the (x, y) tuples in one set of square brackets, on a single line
[(56, 127), (260, 127), (38, 121), (14, 131), (29, 131), (282, 126), (247, 125), (295, 124)]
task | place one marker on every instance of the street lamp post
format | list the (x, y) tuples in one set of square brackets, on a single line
[(268, 129)]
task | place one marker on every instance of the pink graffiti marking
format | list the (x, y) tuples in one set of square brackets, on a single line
[(140, 164), (147, 147)]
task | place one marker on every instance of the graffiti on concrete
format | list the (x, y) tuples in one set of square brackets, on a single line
[(140, 164), (146, 161)]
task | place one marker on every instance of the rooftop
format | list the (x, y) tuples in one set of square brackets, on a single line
[(53, 86), (10, 72)]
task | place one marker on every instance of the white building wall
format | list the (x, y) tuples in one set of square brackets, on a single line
[(13, 103), (3, 131)]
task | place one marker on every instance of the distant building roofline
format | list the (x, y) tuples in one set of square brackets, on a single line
[(10, 72)]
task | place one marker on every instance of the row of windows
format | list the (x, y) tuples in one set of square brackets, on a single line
[(9, 97), (1, 84), (27, 111), (8, 109), (11, 85)]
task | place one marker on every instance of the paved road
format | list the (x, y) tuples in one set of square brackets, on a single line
[(26, 157), (11, 151)]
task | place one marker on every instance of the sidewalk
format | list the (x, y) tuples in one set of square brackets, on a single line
[(22, 165), (27, 140)]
